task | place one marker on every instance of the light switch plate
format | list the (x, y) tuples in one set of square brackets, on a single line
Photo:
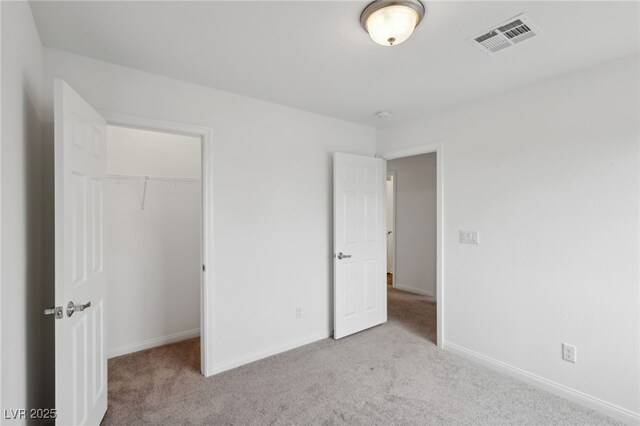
[(469, 237)]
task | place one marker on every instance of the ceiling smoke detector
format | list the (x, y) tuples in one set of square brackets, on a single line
[(506, 34)]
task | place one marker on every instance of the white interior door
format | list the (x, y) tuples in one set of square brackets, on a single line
[(80, 169), (360, 298)]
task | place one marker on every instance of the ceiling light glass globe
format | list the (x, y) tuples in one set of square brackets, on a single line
[(391, 25)]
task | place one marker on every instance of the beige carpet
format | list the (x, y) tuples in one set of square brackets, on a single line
[(391, 374)]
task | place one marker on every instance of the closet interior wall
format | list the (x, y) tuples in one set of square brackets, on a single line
[(152, 205)]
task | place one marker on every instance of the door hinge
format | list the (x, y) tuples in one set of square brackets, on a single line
[(204, 268), (56, 310)]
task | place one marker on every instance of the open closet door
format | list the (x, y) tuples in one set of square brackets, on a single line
[(80, 282), (359, 220)]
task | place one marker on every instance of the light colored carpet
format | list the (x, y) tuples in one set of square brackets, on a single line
[(391, 374)]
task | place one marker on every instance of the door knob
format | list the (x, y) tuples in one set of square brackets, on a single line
[(343, 256), (71, 307)]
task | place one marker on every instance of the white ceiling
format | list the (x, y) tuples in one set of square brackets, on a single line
[(315, 56)]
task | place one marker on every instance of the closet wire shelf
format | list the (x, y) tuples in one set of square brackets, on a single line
[(153, 178), (146, 179)]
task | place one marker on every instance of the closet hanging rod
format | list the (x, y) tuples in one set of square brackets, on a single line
[(153, 178)]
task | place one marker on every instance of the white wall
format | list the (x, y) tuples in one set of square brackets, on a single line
[(549, 176), (152, 255), (272, 199), (416, 223), (21, 157), (144, 152)]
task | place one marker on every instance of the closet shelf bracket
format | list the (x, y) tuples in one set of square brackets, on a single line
[(144, 192)]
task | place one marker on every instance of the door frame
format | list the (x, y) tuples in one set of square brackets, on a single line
[(436, 148), (206, 239), (394, 174)]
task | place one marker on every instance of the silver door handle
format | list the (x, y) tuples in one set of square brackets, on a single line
[(343, 256), (71, 308)]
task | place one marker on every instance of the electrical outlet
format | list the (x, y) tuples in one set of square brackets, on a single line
[(569, 352), (469, 237), (298, 313)]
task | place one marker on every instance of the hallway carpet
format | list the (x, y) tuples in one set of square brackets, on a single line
[(390, 374)]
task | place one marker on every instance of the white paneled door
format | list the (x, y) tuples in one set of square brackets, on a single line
[(80, 283), (360, 298)]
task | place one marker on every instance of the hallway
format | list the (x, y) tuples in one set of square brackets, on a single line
[(412, 312)]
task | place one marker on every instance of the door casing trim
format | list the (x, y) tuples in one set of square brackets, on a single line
[(206, 239)]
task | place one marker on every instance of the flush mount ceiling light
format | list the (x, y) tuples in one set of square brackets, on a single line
[(390, 22)]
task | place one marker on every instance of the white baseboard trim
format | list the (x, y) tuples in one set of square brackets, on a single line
[(274, 350), (414, 290), (151, 343), (581, 398)]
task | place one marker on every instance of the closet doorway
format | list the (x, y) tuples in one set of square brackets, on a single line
[(153, 204)]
